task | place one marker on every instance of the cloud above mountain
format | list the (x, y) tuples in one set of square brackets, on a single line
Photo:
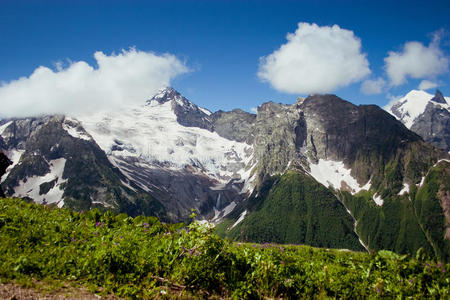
[(426, 85), (315, 59), (129, 77), (416, 60), (372, 87)]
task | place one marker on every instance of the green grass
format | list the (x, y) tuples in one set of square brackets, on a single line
[(144, 258)]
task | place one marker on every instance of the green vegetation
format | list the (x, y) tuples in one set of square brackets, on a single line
[(143, 258), (405, 223), (295, 209)]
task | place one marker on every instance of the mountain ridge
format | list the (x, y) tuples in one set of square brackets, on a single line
[(169, 156)]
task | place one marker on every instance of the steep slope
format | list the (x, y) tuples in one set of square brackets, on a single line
[(361, 153), (425, 114), (165, 147), (297, 210), (56, 162)]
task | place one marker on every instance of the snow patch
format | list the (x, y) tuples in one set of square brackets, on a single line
[(378, 200), (405, 189), (422, 181), (334, 174), (241, 218), (220, 214), (4, 126), (30, 188), (205, 111)]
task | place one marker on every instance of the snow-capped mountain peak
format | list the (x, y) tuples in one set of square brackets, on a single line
[(168, 94), (413, 104)]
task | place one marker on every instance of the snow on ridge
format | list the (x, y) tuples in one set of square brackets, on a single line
[(152, 133), (205, 111), (31, 187), (334, 174), (71, 128), (412, 105)]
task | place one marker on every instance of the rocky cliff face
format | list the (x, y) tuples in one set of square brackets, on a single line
[(236, 125)]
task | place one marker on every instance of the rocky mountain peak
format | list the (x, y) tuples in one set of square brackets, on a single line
[(167, 94), (188, 114), (439, 98)]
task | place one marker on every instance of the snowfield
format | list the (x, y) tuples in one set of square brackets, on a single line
[(151, 132), (334, 174), (31, 186)]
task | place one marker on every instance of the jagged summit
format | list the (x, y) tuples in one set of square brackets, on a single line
[(439, 98), (188, 114), (167, 94)]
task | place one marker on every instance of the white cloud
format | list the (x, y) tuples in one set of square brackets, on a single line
[(254, 110), (372, 87), (315, 60), (132, 76), (417, 61), (426, 85)]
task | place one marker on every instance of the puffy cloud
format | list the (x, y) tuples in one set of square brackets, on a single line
[(315, 59), (417, 61), (372, 87), (132, 76), (254, 110), (426, 85)]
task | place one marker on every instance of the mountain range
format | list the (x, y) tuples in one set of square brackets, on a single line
[(322, 171)]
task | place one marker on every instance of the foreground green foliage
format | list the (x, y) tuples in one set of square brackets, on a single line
[(143, 258)]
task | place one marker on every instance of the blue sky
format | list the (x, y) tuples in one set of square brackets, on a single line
[(221, 42)]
